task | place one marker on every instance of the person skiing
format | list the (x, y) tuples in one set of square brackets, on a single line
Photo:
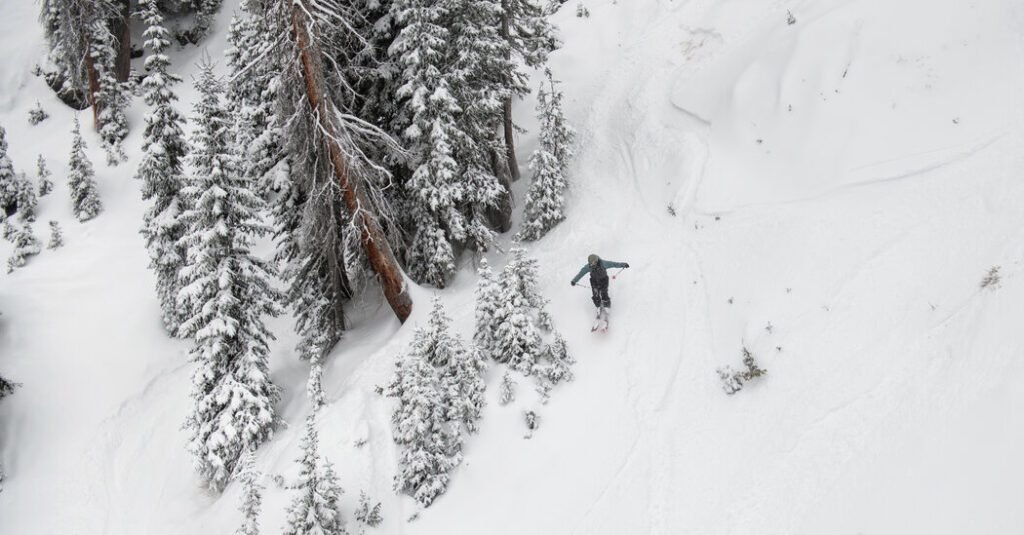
[(598, 270)]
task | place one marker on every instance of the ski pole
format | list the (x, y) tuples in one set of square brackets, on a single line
[(583, 285), (617, 273)]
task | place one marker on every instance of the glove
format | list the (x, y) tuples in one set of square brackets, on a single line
[(627, 264), (572, 283)]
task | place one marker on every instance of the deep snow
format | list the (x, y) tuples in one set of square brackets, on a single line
[(847, 180)]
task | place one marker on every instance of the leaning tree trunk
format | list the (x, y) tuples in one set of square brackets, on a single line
[(378, 250), (94, 89)]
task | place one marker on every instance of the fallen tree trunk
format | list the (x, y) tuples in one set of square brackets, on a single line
[(374, 241)]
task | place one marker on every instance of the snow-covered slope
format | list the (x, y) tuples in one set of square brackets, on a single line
[(828, 194)]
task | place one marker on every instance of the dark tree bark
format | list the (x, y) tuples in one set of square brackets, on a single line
[(374, 241), (500, 216), (122, 31)]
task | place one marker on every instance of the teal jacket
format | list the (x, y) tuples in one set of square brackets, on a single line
[(606, 264)]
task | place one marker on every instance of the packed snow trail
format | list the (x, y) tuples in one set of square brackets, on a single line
[(827, 194)]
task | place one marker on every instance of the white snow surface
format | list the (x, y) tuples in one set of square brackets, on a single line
[(848, 180)]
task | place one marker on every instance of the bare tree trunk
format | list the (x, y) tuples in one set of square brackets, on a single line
[(122, 32), (500, 216), (510, 142), (94, 88), (378, 250)]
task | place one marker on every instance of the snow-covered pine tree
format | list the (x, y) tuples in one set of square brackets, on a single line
[(252, 495), (556, 367), (8, 178), (430, 444), (435, 188), (56, 236), (84, 196), (6, 387), (521, 319), (314, 385), (316, 510), (530, 38), (9, 230), (27, 200), (545, 200), (45, 184), (25, 245), (205, 11), (488, 300), (253, 93), (464, 386), (69, 25), (225, 291), (37, 115), (113, 96), (161, 170), (450, 57)]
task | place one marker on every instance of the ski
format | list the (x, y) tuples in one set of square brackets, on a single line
[(601, 322)]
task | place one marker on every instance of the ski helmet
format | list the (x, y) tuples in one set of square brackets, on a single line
[(592, 259)]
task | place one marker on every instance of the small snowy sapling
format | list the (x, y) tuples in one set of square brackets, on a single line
[(507, 390), (37, 115), (45, 184), (56, 236), (366, 514), (84, 197), (991, 279)]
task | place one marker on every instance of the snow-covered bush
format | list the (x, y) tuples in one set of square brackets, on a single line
[(26, 199), (8, 178), (733, 380), (368, 515), (25, 245), (991, 279), (37, 115)]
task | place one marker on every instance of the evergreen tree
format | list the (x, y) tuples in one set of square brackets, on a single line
[(530, 38), (545, 200), (447, 115), (314, 385), (205, 11), (84, 197), (316, 510), (252, 495), (56, 237), (556, 367), (8, 178), (464, 385), (253, 93), (45, 184), (25, 245), (26, 199), (521, 318), (69, 26), (507, 390), (113, 96), (37, 115), (430, 444), (488, 300), (366, 514), (161, 169), (225, 291)]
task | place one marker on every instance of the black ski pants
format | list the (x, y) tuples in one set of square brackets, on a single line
[(599, 288)]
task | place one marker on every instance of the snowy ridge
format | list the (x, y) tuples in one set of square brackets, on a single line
[(842, 243)]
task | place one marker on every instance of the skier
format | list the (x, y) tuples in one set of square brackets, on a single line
[(598, 270)]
